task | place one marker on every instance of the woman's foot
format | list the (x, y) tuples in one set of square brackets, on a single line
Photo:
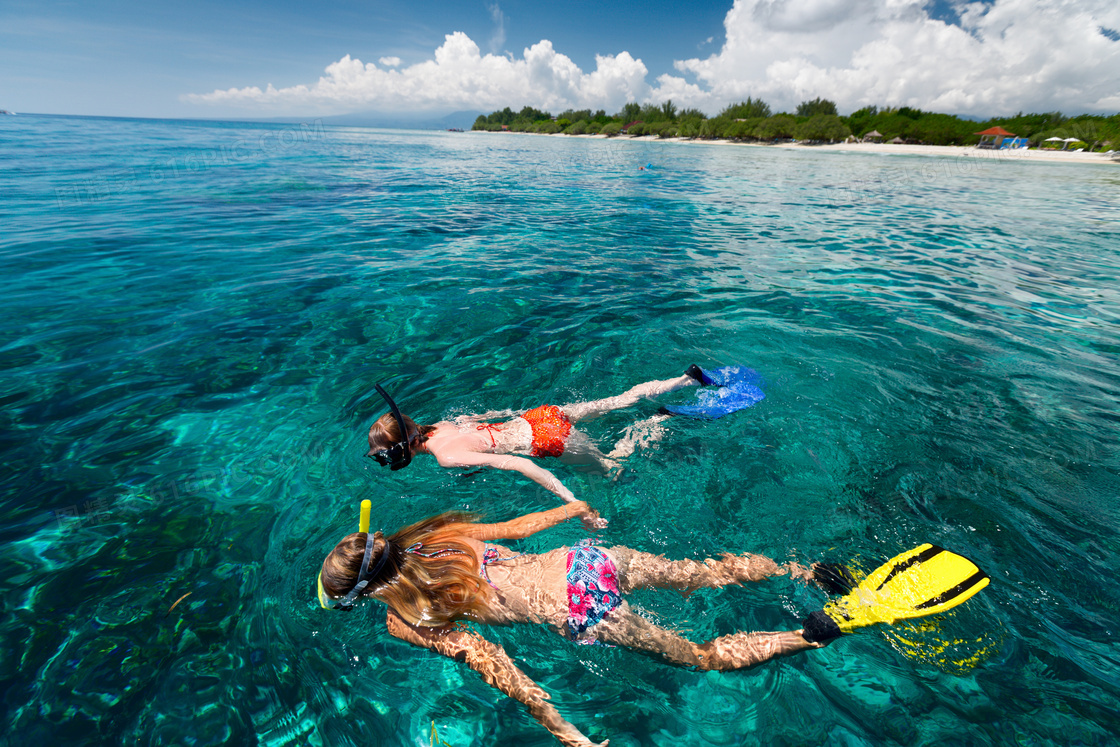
[(796, 570), (643, 433)]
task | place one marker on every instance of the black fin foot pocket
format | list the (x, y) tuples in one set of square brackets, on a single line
[(835, 578), (820, 628), (697, 373)]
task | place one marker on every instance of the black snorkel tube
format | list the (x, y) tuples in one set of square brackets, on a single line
[(399, 455)]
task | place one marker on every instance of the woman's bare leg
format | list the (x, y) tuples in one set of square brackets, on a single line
[(581, 450), (742, 650), (623, 627), (737, 651), (641, 570), (587, 410)]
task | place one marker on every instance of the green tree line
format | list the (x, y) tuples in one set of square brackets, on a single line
[(813, 121)]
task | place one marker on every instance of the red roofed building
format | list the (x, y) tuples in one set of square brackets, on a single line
[(992, 137)]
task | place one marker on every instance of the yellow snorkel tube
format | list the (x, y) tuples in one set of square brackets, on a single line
[(363, 517), (363, 526)]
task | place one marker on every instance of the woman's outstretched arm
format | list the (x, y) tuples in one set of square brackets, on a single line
[(539, 475), (530, 524), (496, 669)]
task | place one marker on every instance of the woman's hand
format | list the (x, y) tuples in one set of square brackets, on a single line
[(593, 522), (589, 516)]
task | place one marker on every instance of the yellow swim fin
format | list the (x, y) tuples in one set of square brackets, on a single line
[(923, 581)]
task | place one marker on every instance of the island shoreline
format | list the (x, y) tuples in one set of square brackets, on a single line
[(1010, 155)]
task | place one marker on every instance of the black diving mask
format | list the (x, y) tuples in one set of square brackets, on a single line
[(399, 455)]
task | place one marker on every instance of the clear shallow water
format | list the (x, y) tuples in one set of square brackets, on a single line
[(194, 315)]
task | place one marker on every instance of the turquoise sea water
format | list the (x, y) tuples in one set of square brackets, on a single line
[(194, 315)]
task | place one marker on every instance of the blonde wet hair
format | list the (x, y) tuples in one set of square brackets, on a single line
[(432, 589)]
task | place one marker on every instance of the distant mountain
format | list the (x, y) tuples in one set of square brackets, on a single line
[(463, 120)]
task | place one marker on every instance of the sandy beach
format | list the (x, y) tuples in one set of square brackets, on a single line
[(1019, 154), (937, 151)]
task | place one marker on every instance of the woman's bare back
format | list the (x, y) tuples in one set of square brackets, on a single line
[(451, 442), (527, 588)]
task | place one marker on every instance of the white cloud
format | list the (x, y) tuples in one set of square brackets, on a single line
[(458, 77), (1005, 56)]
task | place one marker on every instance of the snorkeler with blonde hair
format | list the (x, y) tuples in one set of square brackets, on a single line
[(545, 431), (443, 571)]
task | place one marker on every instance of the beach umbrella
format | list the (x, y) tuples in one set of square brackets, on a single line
[(1071, 140), (994, 131), (1054, 139), (992, 137)]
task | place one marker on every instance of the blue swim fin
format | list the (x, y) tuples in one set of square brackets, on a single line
[(737, 390)]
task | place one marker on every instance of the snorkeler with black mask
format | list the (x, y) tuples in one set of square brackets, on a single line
[(546, 431)]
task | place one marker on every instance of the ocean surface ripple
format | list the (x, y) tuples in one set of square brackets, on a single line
[(194, 315)]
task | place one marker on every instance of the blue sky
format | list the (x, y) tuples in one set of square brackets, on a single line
[(131, 57), (205, 59)]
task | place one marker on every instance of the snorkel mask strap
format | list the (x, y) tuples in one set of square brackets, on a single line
[(399, 455), (366, 575)]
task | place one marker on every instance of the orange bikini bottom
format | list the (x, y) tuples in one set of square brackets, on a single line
[(550, 430)]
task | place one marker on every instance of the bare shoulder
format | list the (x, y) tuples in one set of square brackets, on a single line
[(448, 445), (478, 547), (459, 455)]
